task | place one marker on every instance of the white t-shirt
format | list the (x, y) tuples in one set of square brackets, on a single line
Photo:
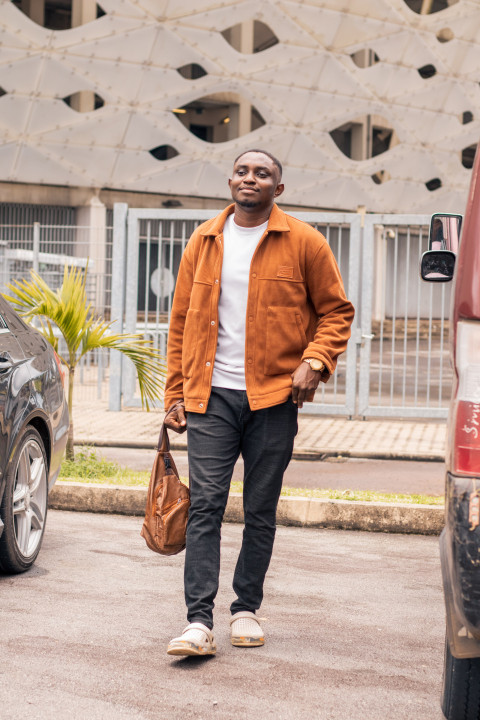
[(239, 244)]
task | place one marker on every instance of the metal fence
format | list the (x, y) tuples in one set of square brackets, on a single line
[(397, 361), (404, 364), (48, 249), (153, 242)]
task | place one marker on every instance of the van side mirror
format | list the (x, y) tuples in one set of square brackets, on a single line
[(445, 232), (438, 263)]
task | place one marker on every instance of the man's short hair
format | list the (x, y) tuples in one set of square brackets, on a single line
[(264, 152)]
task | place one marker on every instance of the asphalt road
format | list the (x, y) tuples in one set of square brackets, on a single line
[(391, 476), (354, 626)]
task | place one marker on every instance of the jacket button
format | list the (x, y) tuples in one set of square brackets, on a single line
[(254, 275), (251, 318), (254, 402), (213, 322), (216, 282), (207, 364), (200, 404), (250, 361)]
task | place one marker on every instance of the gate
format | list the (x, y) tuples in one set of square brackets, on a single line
[(149, 245), (396, 363), (404, 365)]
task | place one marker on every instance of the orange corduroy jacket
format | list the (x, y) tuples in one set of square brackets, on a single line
[(296, 309)]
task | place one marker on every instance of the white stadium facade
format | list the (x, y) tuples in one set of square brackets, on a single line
[(368, 103)]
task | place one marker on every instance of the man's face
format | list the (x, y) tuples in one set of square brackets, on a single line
[(255, 181)]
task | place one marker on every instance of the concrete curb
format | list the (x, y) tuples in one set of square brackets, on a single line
[(301, 453), (293, 511)]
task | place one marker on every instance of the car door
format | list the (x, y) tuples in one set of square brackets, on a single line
[(11, 355)]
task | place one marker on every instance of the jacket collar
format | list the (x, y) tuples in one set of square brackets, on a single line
[(277, 221)]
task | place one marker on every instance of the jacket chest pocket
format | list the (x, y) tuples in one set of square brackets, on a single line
[(285, 340), (190, 341)]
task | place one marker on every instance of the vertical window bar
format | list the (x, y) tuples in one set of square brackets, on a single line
[(417, 336), (99, 375), (405, 330), (159, 270), (394, 316), (429, 354), (147, 272), (339, 260), (382, 321), (442, 326), (184, 238), (172, 245)]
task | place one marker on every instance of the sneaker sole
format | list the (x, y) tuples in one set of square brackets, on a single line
[(185, 649), (247, 641)]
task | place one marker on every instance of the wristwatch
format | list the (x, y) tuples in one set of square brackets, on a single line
[(315, 364)]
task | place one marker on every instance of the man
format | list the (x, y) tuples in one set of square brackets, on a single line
[(259, 317)]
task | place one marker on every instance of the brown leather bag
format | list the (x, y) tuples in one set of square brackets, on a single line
[(168, 500)]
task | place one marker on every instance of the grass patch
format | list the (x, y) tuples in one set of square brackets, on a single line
[(364, 496), (89, 468)]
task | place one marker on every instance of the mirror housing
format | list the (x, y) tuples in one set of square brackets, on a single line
[(437, 265), (445, 232)]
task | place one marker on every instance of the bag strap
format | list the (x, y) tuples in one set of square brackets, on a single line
[(163, 440)]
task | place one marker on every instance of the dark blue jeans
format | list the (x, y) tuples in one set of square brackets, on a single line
[(264, 438)]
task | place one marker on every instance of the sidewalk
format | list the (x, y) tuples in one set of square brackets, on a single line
[(317, 435)]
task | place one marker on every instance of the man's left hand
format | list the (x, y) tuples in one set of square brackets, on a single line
[(304, 381)]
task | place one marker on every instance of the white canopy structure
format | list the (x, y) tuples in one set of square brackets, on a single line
[(366, 102)]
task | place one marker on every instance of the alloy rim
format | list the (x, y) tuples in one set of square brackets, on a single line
[(29, 498)]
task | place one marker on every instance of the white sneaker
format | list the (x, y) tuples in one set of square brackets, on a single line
[(196, 639), (246, 630)]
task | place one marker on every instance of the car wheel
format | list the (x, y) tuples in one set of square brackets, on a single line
[(461, 687), (24, 505)]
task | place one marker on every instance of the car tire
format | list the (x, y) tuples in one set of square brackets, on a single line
[(24, 504), (461, 687)]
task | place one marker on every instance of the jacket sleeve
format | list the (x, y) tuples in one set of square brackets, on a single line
[(334, 312), (180, 305)]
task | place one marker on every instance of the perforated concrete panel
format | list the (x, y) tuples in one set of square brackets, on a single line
[(304, 87)]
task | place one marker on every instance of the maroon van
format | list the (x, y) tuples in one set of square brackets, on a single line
[(448, 259)]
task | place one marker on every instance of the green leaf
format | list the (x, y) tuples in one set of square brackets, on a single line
[(69, 310)]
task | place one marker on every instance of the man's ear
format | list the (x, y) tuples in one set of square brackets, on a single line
[(279, 189), (230, 183)]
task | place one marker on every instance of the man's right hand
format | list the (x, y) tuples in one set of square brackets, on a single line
[(175, 419)]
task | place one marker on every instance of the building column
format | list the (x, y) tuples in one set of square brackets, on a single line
[(35, 9), (245, 108), (360, 138), (426, 8), (83, 11), (91, 244), (241, 38)]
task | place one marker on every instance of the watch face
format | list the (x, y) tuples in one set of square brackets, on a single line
[(316, 364)]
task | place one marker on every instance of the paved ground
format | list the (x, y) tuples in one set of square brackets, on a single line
[(354, 626), (317, 434), (390, 476)]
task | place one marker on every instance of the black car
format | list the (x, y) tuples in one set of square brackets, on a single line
[(33, 434)]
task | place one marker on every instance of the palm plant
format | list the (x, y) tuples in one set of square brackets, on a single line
[(83, 331)]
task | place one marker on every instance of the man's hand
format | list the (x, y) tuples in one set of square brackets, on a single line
[(175, 418), (304, 381)]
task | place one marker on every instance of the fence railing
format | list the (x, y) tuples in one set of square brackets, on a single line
[(397, 362), (47, 249)]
